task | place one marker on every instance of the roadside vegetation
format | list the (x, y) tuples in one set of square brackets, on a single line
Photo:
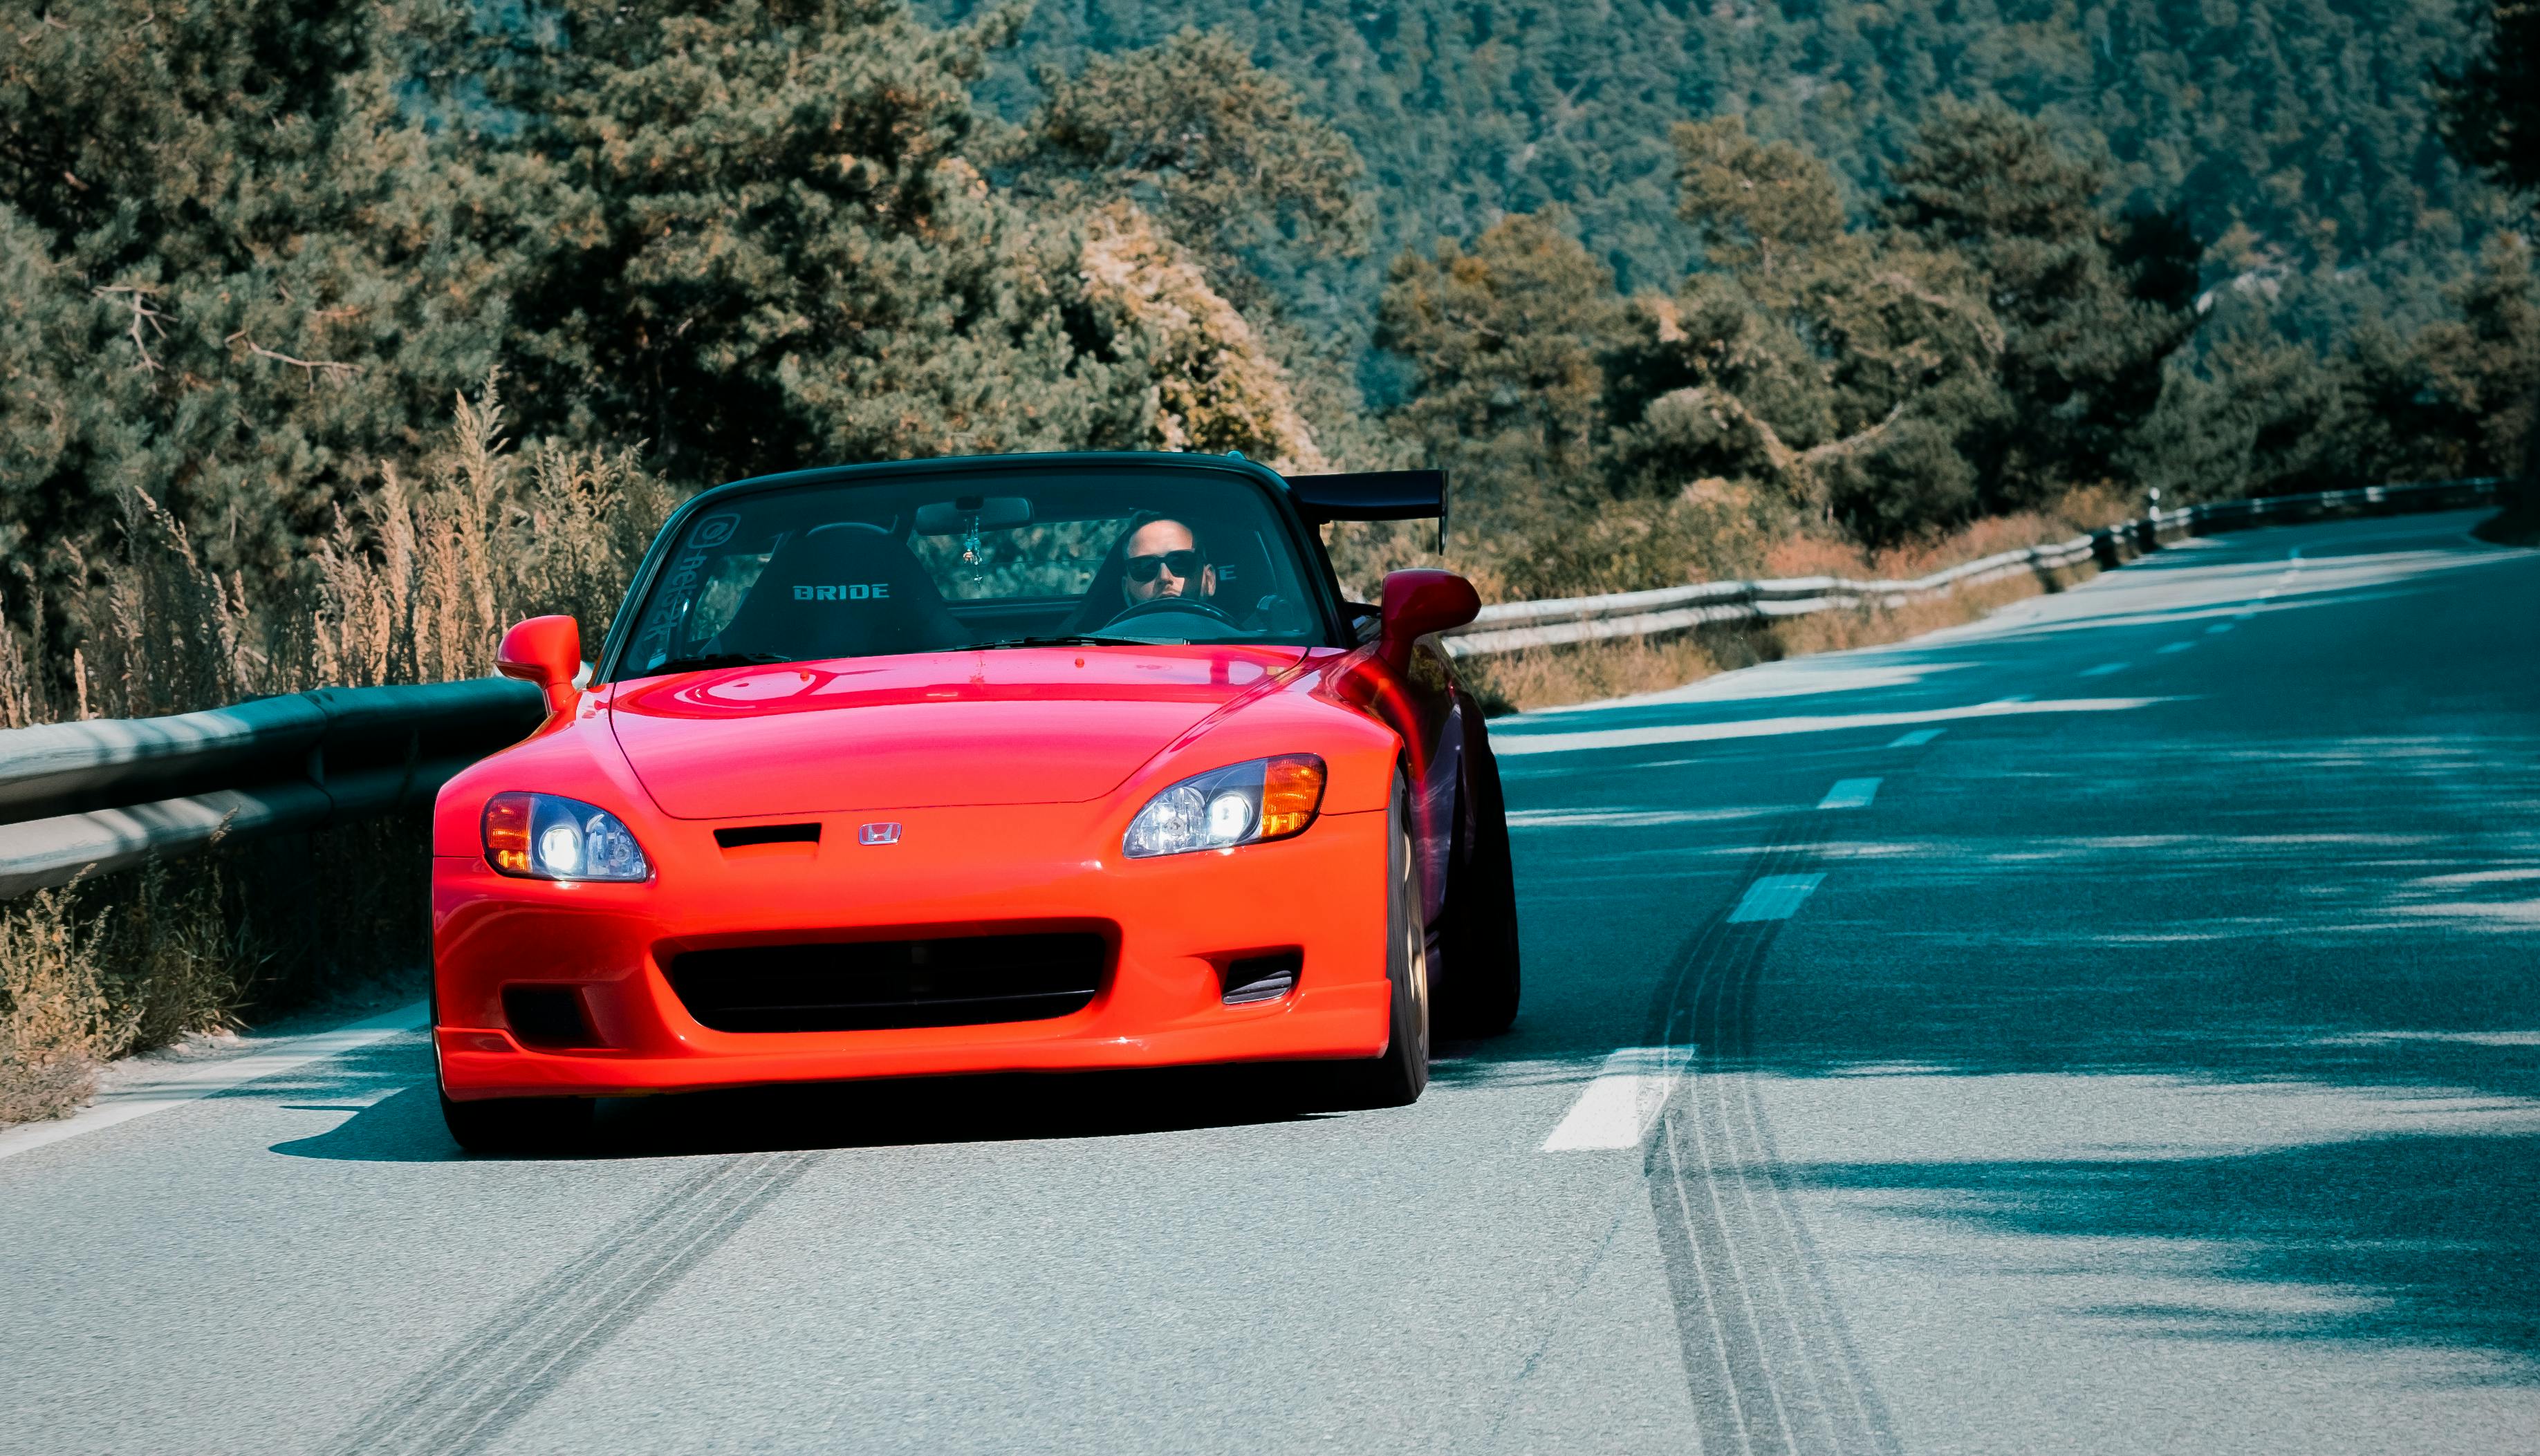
[(337, 338)]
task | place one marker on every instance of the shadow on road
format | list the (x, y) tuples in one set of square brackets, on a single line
[(2236, 994), (405, 1125), (2424, 1239)]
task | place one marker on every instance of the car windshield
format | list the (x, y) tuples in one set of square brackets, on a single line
[(933, 562)]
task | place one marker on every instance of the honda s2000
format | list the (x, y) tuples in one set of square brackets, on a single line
[(1031, 763)]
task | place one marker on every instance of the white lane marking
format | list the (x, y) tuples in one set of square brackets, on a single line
[(1916, 738), (1626, 818), (145, 1091), (1520, 744), (1775, 897), (1617, 1109), (1850, 793), (2219, 628), (2104, 668), (2176, 647)]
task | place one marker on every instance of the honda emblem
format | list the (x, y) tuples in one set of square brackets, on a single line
[(877, 834)]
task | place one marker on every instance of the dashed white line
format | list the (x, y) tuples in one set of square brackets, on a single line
[(1775, 897), (1916, 738), (2176, 647), (2104, 668), (1850, 793), (1618, 1107)]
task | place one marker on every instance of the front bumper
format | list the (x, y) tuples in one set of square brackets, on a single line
[(1173, 925)]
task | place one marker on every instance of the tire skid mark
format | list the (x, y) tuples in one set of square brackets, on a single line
[(473, 1393), (1770, 1364)]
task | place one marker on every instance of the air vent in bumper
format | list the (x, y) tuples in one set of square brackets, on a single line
[(887, 985), (1257, 978)]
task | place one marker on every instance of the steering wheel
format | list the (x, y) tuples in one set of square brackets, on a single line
[(1154, 604)]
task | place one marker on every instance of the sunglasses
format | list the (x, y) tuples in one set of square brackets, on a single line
[(1182, 564)]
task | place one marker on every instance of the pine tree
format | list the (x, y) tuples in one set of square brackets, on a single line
[(1840, 365), (238, 265), (1220, 152), (2091, 304), (1506, 338)]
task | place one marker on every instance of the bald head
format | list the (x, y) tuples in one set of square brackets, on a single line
[(1163, 559)]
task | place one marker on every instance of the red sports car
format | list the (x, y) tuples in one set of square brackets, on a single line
[(1028, 763)]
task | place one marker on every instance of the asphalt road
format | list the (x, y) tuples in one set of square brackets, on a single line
[(2114, 1027)]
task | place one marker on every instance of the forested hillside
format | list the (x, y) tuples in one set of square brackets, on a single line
[(1665, 290), (2296, 137)]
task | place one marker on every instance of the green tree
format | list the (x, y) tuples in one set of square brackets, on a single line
[(237, 263), (1838, 365), (1221, 152), (1504, 339), (2491, 119), (2092, 306), (2490, 102), (2480, 385), (765, 247), (1759, 208)]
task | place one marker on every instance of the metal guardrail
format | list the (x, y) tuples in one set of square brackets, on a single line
[(1514, 626), (98, 796)]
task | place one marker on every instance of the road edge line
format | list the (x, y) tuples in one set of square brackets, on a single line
[(194, 1084)]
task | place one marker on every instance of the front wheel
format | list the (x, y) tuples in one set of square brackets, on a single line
[(1398, 1077), (521, 1124)]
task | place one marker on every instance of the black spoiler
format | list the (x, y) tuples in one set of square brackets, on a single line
[(1372, 495)]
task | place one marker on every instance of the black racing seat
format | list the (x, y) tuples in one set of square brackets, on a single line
[(843, 591), (1102, 600)]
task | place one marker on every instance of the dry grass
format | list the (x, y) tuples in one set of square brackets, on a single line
[(1554, 677), (60, 1022), (414, 585), (1551, 677)]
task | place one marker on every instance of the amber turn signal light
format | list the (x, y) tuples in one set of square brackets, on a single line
[(507, 833), (1291, 790)]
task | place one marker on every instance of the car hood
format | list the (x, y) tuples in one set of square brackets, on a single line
[(1013, 725)]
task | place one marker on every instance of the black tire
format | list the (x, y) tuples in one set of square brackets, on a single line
[(1398, 1077), (519, 1125), (1479, 993), (506, 1124)]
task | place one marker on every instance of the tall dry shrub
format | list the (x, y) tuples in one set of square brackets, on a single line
[(56, 1020), (415, 585), (418, 585)]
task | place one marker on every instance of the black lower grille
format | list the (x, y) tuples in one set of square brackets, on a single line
[(881, 985)]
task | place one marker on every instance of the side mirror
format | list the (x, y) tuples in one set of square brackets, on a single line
[(1419, 603), (546, 650)]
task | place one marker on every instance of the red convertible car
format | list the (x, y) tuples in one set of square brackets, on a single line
[(1027, 763)]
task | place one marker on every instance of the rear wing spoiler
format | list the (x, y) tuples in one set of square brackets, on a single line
[(1372, 495)]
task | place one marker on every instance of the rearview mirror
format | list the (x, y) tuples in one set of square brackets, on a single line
[(1419, 603), (546, 650), (993, 513)]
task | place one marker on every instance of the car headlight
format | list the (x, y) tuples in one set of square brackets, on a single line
[(1244, 803), (545, 836)]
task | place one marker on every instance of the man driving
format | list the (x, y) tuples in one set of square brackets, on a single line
[(1164, 558)]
